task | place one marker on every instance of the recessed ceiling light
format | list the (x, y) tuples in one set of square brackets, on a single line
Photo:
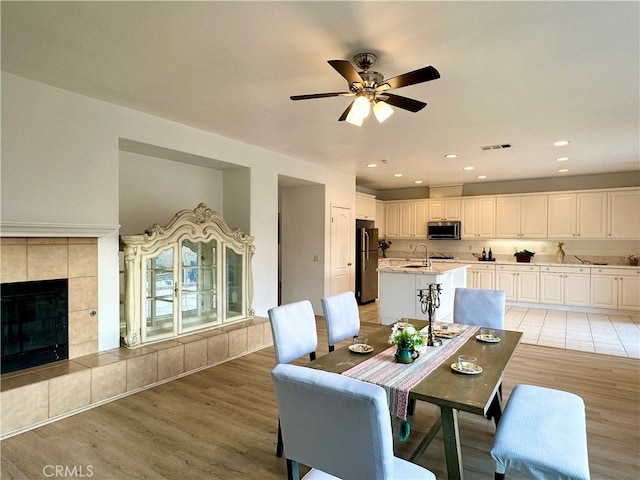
[(563, 170), (562, 159), (561, 143), (417, 181), (482, 177), (468, 168), (397, 175), (451, 155), (372, 165)]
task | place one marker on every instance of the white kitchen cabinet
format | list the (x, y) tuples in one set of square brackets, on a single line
[(521, 216), (420, 218), (577, 215), (444, 209), (591, 215), (615, 288), (478, 217), (565, 285), (519, 282), (365, 206), (406, 219), (381, 219), (481, 275), (392, 218), (624, 214)]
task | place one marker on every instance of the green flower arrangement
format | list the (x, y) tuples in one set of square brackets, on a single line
[(406, 336)]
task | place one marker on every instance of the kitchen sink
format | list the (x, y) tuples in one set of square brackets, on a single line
[(414, 266)]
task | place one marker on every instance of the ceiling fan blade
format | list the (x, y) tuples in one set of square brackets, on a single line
[(410, 78), (320, 95), (404, 102), (344, 115), (344, 68)]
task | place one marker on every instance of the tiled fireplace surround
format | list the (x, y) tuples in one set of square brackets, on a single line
[(39, 395)]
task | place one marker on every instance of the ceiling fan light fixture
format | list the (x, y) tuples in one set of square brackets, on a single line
[(353, 119), (382, 111), (361, 107)]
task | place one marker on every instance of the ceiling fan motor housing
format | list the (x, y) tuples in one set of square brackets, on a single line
[(365, 60)]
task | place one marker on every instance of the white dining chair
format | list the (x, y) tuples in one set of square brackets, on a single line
[(293, 327), (341, 316), (484, 308), (477, 306), (338, 426)]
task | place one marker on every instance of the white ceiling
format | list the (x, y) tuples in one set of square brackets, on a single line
[(524, 73)]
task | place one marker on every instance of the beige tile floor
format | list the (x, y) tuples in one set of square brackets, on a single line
[(590, 332)]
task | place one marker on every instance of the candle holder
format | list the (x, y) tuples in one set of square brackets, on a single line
[(429, 302)]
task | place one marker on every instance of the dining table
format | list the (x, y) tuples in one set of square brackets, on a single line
[(439, 383)]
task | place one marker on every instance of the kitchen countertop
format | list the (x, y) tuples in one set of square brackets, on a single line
[(417, 268), (504, 262)]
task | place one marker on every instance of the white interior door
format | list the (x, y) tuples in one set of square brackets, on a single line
[(342, 239)]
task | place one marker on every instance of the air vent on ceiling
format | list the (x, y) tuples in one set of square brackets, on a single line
[(496, 147)]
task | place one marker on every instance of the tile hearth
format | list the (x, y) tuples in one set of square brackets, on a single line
[(39, 395)]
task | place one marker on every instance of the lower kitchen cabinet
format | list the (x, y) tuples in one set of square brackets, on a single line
[(481, 276), (565, 285), (615, 288), (519, 282)]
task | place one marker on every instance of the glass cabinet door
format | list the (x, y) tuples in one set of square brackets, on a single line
[(159, 295), (234, 299), (198, 281)]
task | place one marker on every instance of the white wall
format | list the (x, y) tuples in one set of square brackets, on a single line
[(152, 190), (303, 244), (60, 164)]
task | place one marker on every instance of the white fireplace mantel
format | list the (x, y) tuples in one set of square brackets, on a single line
[(28, 229)]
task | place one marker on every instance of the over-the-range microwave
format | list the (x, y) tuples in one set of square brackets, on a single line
[(449, 230)]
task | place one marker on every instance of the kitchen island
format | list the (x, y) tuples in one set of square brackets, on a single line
[(399, 287)]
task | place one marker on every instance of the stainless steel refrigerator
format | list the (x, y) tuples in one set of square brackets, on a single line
[(366, 264)]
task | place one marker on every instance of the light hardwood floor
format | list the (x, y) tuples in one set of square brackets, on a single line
[(220, 423)]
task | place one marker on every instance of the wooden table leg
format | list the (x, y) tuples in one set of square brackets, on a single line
[(452, 450)]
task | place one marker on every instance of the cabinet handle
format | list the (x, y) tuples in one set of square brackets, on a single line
[(175, 291)]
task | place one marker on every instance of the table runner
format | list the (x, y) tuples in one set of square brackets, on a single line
[(398, 378)]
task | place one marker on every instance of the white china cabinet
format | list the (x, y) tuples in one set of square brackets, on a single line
[(193, 274)]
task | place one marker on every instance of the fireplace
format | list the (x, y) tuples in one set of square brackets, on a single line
[(35, 323)]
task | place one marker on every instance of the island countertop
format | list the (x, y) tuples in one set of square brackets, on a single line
[(420, 269)]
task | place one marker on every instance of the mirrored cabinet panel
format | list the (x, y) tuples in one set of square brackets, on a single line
[(193, 274)]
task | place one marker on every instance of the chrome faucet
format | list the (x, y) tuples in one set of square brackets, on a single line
[(427, 262)]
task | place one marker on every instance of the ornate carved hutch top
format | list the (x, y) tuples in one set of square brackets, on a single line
[(193, 274)]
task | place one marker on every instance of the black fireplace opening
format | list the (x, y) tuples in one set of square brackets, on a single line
[(35, 323)]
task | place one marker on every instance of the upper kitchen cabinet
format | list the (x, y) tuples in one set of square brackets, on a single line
[(381, 219), (406, 219), (420, 218), (365, 206), (444, 209), (478, 217), (577, 215), (624, 214), (521, 216), (392, 215)]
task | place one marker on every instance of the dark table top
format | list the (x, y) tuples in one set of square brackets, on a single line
[(443, 386)]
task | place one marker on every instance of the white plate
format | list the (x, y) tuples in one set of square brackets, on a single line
[(454, 366), (488, 338), (361, 348)]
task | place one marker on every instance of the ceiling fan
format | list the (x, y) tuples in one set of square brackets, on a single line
[(370, 88)]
